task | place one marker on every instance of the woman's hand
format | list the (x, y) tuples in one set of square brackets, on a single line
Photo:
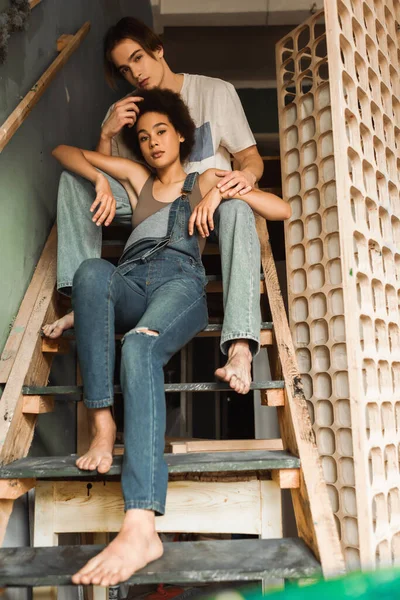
[(203, 214), (104, 202)]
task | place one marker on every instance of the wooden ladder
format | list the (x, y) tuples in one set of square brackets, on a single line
[(240, 479)]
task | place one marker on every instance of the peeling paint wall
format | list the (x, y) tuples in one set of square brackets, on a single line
[(70, 111)]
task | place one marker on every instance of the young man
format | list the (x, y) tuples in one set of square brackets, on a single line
[(134, 52)]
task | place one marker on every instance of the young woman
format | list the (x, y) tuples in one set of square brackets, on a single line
[(156, 297)]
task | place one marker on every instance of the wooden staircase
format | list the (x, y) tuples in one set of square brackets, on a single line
[(216, 486)]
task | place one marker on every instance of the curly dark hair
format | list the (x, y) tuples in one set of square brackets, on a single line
[(171, 105)]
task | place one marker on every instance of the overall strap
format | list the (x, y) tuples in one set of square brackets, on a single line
[(189, 183)]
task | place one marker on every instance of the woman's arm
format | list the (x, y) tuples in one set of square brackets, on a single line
[(267, 205), (86, 163)]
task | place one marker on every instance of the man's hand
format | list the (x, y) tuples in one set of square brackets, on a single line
[(235, 182), (203, 214), (124, 112), (104, 202)]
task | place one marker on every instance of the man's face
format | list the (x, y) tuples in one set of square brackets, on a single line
[(138, 67)]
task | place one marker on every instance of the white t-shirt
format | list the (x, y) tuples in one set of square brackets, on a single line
[(221, 124)]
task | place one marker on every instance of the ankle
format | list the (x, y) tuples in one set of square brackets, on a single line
[(139, 518), (101, 419), (240, 347)]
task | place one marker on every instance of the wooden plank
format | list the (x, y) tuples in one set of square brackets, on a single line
[(19, 326), (18, 116), (183, 562), (314, 516), (192, 462), (11, 489), (44, 532), (274, 398), (192, 506), (6, 507), (287, 479), (30, 365), (182, 447), (58, 346), (37, 405), (71, 390)]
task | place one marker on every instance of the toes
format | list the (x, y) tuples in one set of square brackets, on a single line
[(105, 464)]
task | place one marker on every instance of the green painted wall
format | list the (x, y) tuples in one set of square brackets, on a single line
[(70, 112)]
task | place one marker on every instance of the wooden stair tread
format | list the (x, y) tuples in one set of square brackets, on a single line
[(70, 390), (182, 562), (211, 328), (54, 467)]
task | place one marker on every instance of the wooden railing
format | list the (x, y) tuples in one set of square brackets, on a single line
[(66, 46)]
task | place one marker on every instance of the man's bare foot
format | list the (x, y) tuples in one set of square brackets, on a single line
[(99, 456), (54, 330), (136, 545), (237, 371)]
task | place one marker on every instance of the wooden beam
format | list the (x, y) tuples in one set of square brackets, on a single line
[(181, 447), (11, 489), (63, 41), (19, 326), (30, 366), (18, 116), (37, 405), (273, 398), (313, 511), (56, 346), (287, 479)]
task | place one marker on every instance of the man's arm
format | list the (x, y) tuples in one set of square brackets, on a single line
[(122, 113), (249, 168)]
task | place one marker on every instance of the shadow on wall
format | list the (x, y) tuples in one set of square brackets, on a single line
[(70, 111)]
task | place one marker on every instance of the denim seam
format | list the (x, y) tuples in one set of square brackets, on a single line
[(104, 403), (144, 504), (237, 336), (249, 248)]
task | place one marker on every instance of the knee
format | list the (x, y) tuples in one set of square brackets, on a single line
[(91, 273), (235, 210)]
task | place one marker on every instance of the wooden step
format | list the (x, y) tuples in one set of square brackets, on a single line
[(61, 344), (182, 562), (71, 390), (55, 467)]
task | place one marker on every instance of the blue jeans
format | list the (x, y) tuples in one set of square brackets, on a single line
[(79, 239), (166, 295)]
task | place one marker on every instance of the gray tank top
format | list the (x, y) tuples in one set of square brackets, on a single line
[(150, 217)]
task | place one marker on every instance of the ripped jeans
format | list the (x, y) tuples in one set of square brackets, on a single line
[(164, 295)]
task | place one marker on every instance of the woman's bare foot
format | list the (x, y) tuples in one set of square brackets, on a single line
[(99, 456), (136, 545), (237, 371), (54, 330)]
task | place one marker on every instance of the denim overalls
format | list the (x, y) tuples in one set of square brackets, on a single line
[(159, 285)]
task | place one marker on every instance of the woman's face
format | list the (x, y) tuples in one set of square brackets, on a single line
[(158, 140)]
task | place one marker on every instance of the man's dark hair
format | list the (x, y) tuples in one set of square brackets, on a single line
[(171, 105), (127, 28)]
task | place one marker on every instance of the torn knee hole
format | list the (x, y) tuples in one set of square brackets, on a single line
[(146, 331)]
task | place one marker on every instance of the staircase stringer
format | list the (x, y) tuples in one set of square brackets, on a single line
[(27, 364), (312, 507)]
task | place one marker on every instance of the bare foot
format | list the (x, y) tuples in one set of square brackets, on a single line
[(136, 545), (99, 456), (54, 330), (237, 371)]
